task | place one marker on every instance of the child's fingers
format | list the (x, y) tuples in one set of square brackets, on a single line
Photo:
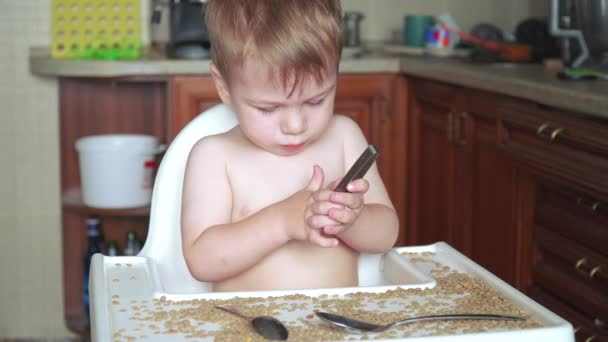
[(358, 186), (322, 207), (353, 201), (333, 230), (320, 221), (322, 195), (343, 215), (316, 238)]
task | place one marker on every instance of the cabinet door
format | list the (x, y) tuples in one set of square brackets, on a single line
[(493, 226), (438, 167), (190, 95)]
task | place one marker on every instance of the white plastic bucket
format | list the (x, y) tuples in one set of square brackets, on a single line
[(117, 170)]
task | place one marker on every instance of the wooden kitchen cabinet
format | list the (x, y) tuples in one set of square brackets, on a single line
[(568, 155), (376, 102), (520, 188), (462, 186)]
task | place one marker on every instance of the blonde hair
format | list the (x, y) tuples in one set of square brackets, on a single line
[(297, 38)]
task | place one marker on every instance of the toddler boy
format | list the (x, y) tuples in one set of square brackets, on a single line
[(258, 210)]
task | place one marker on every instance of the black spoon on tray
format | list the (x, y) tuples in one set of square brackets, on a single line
[(267, 326), (356, 326)]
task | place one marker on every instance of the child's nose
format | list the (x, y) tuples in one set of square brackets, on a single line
[(293, 123)]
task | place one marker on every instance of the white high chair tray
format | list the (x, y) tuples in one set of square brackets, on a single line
[(131, 290)]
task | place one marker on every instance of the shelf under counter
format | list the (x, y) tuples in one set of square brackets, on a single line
[(72, 201)]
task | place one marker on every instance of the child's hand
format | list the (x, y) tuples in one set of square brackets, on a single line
[(349, 206), (316, 204)]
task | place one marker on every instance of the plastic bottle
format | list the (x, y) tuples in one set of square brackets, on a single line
[(131, 245), (112, 248), (137, 246), (94, 245)]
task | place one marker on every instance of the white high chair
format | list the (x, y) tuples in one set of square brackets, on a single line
[(160, 269)]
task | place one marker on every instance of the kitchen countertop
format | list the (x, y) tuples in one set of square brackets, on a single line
[(525, 81)]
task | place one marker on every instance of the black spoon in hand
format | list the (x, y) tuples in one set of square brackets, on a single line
[(267, 326)]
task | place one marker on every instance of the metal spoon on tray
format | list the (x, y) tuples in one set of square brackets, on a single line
[(267, 326), (356, 326)]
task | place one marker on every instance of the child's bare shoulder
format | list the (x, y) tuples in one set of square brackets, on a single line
[(345, 126), (213, 146)]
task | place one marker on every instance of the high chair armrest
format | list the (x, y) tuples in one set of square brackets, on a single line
[(99, 297)]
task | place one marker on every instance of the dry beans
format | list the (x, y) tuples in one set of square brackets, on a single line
[(455, 293)]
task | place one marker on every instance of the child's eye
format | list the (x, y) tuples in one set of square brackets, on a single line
[(316, 102), (266, 110)]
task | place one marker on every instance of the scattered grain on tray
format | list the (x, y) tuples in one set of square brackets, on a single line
[(115, 280), (468, 294), (115, 296), (129, 265), (115, 302), (132, 278), (123, 310)]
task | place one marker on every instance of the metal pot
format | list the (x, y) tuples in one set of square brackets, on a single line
[(351, 29)]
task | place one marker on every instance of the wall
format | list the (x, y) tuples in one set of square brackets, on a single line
[(30, 243), (30, 247)]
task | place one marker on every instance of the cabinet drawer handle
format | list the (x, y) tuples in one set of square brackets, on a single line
[(593, 206), (551, 136), (594, 271), (542, 128), (450, 130), (555, 133), (601, 325), (458, 128), (580, 263)]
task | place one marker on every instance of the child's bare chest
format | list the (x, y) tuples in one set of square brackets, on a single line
[(258, 184)]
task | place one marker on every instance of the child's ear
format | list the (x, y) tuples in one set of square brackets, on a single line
[(220, 85)]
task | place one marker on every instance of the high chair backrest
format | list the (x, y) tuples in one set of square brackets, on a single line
[(163, 245)]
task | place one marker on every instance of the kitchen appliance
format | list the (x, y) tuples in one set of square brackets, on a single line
[(189, 38), (583, 27), (351, 29)]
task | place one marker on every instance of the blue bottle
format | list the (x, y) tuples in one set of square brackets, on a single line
[(94, 245)]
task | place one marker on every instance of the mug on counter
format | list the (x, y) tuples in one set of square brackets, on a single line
[(414, 29)]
